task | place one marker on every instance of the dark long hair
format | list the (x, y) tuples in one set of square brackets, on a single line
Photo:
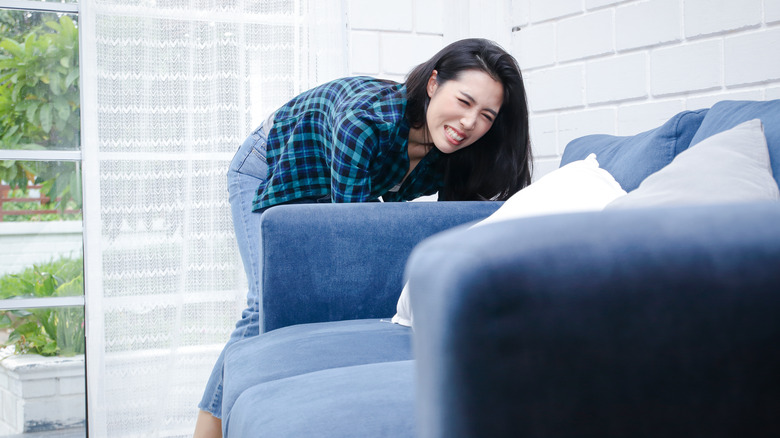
[(498, 164)]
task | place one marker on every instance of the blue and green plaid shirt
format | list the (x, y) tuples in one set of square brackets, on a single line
[(346, 139)]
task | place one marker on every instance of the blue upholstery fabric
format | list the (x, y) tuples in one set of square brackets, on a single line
[(305, 348), (373, 400), (347, 377), (728, 114), (647, 322), (631, 159), (329, 262)]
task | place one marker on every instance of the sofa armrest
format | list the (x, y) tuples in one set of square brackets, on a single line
[(328, 262), (646, 322)]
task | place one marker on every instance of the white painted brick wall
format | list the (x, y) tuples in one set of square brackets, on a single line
[(387, 39), (555, 88), (665, 56), (535, 45), (616, 78), (772, 11), (752, 57), (703, 17), (576, 124), (593, 4), (640, 117), (544, 130), (707, 100), (520, 13), (365, 52), (686, 68), (647, 23), (427, 16), (772, 93), (547, 10), (585, 35), (401, 52), (395, 15)]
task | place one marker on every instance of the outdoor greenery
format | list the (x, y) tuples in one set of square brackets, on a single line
[(48, 332), (39, 100), (40, 110)]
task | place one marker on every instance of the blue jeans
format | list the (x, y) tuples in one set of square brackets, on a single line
[(247, 172)]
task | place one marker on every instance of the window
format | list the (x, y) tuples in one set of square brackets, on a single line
[(168, 90), (42, 324)]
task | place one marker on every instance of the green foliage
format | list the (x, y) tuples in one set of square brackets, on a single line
[(14, 23), (52, 331), (39, 99)]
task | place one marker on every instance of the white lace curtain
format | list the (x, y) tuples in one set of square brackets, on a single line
[(172, 87)]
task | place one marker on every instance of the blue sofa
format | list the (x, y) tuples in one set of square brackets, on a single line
[(656, 321)]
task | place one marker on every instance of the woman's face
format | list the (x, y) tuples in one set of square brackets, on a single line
[(462, 110)]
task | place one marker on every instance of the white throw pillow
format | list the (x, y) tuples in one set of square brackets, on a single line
[(576, 187), (731, 166)]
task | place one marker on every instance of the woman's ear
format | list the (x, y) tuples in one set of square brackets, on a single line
[(433, 83)]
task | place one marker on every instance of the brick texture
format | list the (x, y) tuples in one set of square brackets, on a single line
[(772, 11), (649, 23), (752, 57), (547, 10), (616, 79), (703, 17), (636, 118), (579, 123), (686, 68), (553, 89), (395, 15), (586, 36), (626, 66), (535, 46)]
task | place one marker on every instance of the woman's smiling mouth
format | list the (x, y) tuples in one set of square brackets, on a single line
[(453, 135)]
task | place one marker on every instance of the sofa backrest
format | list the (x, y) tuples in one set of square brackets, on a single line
[(728, 114), (631, 159)]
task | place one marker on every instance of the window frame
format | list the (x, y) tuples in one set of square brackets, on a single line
[(44, 155), (75, 156)]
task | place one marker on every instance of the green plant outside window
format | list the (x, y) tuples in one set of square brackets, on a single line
[(50, 331), (40, 99), (40, 110)]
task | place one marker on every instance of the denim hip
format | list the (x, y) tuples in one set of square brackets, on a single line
[(247, 172)]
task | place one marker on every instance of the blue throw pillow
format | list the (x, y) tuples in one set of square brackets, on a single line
[(632, 159), (728, 114)]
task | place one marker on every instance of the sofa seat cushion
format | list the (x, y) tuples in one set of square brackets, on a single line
[(306, 348), (357, 401)]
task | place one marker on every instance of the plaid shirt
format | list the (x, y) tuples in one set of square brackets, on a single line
[(346, 139)]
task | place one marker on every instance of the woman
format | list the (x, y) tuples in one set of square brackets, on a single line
[(457, 126)]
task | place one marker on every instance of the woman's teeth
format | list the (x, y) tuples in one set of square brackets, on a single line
[(453, 134)]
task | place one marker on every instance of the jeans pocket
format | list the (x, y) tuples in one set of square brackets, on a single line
[(254, 165)]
